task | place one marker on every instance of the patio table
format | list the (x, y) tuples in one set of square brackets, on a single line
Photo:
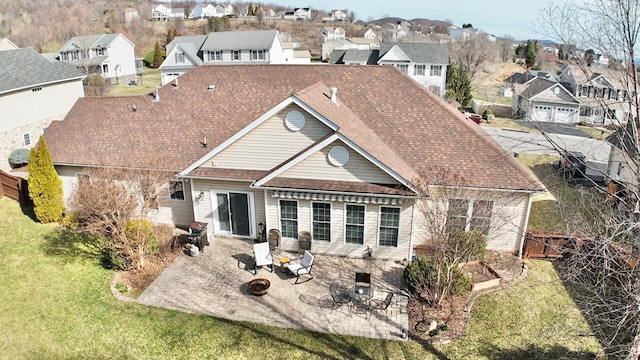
[(360, 296)]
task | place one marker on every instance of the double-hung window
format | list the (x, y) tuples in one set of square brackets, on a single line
[(403, 67), (176, 190), (321, 221), (389, 226), (179, 57), (235, 55), (419, 69), (27, 139), (465, 215), (257, 54), (289, 218), (436, 70), (354, 224), (215, 55)]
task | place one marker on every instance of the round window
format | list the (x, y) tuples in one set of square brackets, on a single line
[(294, 120), (338, 156)]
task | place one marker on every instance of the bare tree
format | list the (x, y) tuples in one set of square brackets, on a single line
[(506, 46), (602, 271), (106, 202), (473, 52)]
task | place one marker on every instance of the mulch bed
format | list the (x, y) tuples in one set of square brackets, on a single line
[(452, 312)]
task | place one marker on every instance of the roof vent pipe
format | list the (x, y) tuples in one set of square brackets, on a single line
[(156, 98), (333, 92), (176, 84)]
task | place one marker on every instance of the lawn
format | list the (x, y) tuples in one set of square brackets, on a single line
[(150, 79), (57, 304)]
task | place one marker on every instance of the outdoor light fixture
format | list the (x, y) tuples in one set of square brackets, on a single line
[(201, 196)]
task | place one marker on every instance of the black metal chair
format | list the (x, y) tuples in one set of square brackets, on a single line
[(379, 304), (339, 295)]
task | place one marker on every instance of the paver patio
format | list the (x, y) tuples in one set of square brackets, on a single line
[(215, 283)]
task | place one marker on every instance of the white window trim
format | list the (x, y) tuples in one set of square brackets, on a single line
[(280, 217), (431, 70), (26, 137), (364, 225), (417, 66), (233, 55), (330, 220), (469, 215), (380, 225)]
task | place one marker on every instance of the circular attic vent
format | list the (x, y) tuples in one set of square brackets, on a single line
[(294, 120), (338, 156)]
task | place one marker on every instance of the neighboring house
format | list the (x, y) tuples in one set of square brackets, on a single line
[(204, 11), (230, 47), (33, 92), (462, 34), (622, 166), (370, 34), (602, 93), (6, 44), (109, 55), (333, 150), (162, 12), (337, 15), (332, 33), (425, 63), (298, 14), (547, 101), (346, 44)]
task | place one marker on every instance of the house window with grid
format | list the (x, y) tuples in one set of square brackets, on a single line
[(289, 218), (435, 89), (176, 190), (235, 55), (215, 56), (389, 226), (466, 215), (99, 51), (321, 221), (354, 224), (64, 56), (179, 57), (257, 54), (74, 55), (27, 139), (436, 70), (419, 69), (403, 67)]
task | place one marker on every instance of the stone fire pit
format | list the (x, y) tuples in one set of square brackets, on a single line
[(259, 286)]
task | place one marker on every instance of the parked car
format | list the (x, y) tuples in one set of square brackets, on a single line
[(573, 164), (475, 118)]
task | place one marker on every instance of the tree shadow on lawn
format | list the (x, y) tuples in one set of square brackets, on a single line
[(72, 246), (534, 352)]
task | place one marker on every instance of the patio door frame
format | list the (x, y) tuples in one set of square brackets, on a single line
[(216, 216)]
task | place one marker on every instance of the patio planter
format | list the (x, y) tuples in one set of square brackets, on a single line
[(259, 286), (482, 275)]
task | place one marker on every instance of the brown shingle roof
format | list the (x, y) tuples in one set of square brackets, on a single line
[(422, 130)]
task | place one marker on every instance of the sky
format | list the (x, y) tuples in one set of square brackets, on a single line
[(497, 17)]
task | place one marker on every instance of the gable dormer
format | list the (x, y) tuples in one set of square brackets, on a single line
[(394, 55)]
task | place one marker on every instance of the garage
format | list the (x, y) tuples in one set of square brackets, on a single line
[(565, 115), (542, 113)]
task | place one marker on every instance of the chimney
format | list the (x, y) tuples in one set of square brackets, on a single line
[(156, 98), (333, 92)]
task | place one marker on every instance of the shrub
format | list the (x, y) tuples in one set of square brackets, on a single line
[(45, 187), (18, 158), (424, 280), (71, 220)]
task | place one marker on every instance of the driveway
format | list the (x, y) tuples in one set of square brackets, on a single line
[(215, 283), (553, 128)]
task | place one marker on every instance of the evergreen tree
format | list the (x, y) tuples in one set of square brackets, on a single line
[(458, 84), (157, 56), (530, 54), (45, 187)]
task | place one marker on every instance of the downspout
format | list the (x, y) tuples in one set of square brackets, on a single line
[(524, 228), (193, 200), (413, 230), (266, 213)]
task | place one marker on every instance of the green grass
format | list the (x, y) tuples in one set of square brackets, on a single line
[(150, 79), (57, 305), (595, 133)]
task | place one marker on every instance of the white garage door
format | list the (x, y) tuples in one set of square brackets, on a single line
[(565, 115), (542, 113)]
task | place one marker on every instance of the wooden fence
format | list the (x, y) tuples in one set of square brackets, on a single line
[(545, 245), (14, 187)]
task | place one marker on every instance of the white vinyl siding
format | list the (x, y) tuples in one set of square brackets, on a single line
[(257, 150), (357, 169)]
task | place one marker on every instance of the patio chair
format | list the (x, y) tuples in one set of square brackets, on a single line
[(339, 295), (379, 304), (363, 282), (303, 267), (262, 255)]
